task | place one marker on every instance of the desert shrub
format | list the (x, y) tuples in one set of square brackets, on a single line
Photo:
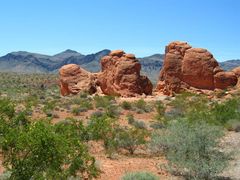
[(192, 149), (142, 107), (77, 110), (97, 114), (7, 108), (160, 108), (181, 102), (49, 106), (103, 101), (126, 105), (139, 176), (72, 128), (140, 104), (20, 119), (83, 102), (139, 124), (31, 100), (112, 111), (131, 138), (233, 125), (136, 123), (157, 125), (103, 128), (228, 110), (42, 151), (130, 119)]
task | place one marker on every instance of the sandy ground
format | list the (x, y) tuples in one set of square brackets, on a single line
[(232, 145)]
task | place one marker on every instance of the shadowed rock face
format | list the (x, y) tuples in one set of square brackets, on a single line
[(74, 79), (186, 67), (121, 75)]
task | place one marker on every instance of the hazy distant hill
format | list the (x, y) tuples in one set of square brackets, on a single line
[(151, 66), (230, 64), (27, 62)]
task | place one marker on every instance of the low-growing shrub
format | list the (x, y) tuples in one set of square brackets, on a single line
[(77, 110), (228, 110), (130, 119), (141, 106), (139, 124), (103, 128), (126, 105), (160, 108), (192, 149), (233, 125), (103, 101), (112, 111), (139, 176), (7, 108), (131, 138)]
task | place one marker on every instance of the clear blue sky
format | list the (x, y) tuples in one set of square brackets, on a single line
[(142, 27)]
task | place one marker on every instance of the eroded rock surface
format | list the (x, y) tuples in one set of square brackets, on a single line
[(74, 79), (185, 67), (121, 75)]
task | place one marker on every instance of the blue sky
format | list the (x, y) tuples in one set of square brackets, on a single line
[(142, 27)]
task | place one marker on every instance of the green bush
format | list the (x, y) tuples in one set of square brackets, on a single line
[(7, 108), (126, 105), (77, 110), (83, 103), (71, 128), (139, 176), (139, 124), (130, 118), (131, 138), (226, 111), (192, 149), (103, 128), (49, 106), (103, 101), (160, 108), (112, 111), (233, 125), (142, 106), (41, 150)]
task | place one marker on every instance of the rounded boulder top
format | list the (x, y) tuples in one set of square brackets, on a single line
[(118, 53)]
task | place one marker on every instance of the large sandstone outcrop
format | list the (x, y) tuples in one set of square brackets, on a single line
[(74, 79), (121, 75), (185, 67)]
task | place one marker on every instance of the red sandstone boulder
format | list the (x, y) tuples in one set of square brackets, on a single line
[(74, 79), (121, 75), (222, 80), (185, 67), (198, 68), (237, 71)]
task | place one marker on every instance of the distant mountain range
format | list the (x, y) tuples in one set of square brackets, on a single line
[(26, 62)]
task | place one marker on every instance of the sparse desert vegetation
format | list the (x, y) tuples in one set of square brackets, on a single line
[(44, 135)]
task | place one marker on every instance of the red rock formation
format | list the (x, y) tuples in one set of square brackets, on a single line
[(237, 71), (121, 75), (223, 80), (74, 79), (186, 67)]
